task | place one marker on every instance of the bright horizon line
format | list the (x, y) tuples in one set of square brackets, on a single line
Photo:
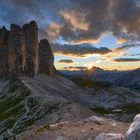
[(130, 69)]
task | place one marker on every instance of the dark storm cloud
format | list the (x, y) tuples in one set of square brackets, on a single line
[(84, 20), (22, 11), (121, 17), (125, 18), (79, 20), (79, 50), (127, 60), (66, 61), (19, 11)]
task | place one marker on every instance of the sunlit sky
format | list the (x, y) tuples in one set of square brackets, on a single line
[(111, 42), (83, 33)]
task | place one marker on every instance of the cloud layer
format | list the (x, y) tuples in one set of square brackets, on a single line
[(75, 68), (73, 25), (83, 50), (66, 61), (127, 60), (76, 20)]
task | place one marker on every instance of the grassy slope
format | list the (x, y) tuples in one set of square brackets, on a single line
[(12, 96)]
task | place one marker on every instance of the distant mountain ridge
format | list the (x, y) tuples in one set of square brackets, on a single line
[(130, 79)]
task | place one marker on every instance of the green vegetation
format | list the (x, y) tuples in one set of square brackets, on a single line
[(12, 96)]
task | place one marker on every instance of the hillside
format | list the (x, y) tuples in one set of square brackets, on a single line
[(131, 80), (117, 78), (43, 100)]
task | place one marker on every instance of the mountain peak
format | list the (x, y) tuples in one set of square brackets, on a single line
[(20, 50)]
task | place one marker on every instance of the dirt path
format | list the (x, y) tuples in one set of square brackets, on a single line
[(76, 130)]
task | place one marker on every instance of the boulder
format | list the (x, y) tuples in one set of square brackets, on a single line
[(46, 57), (110, 136), (134, 131), (95, 119)]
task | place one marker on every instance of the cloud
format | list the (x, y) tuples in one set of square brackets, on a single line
[(127, 60), (84, 41), (120, 17), (83, 50), (65, 61), (129, 45), (54, 30), (138, 54), (122, 40), (76, 21), (75, 68), (80, 23)]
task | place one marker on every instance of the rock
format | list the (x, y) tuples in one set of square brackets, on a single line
[(31, 46), (16, 49), (110, 136), (46, 58), (1, 137), (3, 50), (95, 119), (134, 131), (20, 52), (61, 138)]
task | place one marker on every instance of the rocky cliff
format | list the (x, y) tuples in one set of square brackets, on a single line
[(3, 50), (46, 58), (21, 53)]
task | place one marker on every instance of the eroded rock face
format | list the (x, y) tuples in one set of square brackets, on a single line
[(46, 58), (19, 52), (16, 49), (3, 50), (31, 46)]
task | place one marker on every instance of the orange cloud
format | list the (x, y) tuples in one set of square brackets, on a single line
[(85, 41), (76, 19), (53, 30), (122, 40)]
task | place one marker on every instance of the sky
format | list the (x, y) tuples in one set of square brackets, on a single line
[(83, 33)]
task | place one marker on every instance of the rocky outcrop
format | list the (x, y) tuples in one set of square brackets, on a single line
[(3, 50), (110, 136), (20, 52), (31, 46), (134, 131), (16, 49), (46, 57)]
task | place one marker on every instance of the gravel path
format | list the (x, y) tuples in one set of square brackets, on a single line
[(76, 130)]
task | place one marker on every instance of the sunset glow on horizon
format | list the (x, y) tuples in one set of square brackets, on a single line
[(102, 33)]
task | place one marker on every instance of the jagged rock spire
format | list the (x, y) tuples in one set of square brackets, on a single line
[(20, 52), (46, 57)]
